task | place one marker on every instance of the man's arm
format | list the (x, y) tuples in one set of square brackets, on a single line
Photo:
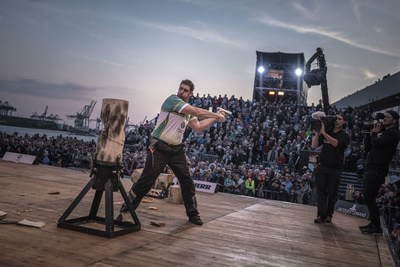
[(203, 113), (207, 117), (385, 138), (333, 141), (199, 126), (315, 140)]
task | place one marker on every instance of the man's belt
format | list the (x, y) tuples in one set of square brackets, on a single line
[(159, 140)]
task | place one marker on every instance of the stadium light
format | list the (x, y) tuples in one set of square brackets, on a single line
[(261, 69), (281, 93), (271, 93), (298, 72)]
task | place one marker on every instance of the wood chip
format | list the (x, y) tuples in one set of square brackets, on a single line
[(2, 214), (159, 224), (153, 208), (31, 223), (54, 193)]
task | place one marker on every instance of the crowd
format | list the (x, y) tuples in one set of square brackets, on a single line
[(254, 152), (57, 151)]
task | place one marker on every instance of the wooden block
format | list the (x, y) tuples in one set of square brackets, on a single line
[(175, 194)]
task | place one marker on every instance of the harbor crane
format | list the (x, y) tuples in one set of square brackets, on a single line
[(44, 116), (82, 118)]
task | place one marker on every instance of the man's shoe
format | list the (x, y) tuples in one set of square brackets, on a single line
[(366, 226), (372, 230), (124, 207), (195, 220), (328, 219), (319, 220), (119, 218)]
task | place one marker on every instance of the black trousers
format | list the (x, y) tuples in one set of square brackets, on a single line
[(374, 178), (327, 182), (158, 156)]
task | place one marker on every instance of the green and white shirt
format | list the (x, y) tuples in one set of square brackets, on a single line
[(171, 123)]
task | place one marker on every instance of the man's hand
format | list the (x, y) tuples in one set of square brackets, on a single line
[(377, 128), (221, 117), (221, 114), (322, 131)]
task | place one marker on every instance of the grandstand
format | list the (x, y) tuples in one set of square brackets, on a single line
[(383, 94)]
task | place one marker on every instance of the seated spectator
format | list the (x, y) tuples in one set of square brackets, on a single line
[(250, 189), (229, 183)]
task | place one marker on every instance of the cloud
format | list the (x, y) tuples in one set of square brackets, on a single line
[(377, 29), (304, 11), (356, 10), (323, 32), (67, 91), (207, 36), (369, 75), (99, 60)]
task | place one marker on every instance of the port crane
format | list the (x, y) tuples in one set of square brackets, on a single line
[(82, 118), (44, 116), (6, 109)]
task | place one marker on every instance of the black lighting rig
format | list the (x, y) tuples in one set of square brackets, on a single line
[(318, 76)]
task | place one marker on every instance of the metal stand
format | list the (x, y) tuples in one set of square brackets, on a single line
[(106, 179)]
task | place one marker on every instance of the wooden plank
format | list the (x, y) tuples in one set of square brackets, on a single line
[(238, 230)]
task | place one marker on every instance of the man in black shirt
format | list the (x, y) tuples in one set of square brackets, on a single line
[(329, 169), (381, 146)]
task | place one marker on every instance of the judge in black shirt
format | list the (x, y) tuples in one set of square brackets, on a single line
[(381, 145), (329, 169)]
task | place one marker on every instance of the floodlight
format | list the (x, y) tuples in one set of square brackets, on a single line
[(261, 69), (298, 72)]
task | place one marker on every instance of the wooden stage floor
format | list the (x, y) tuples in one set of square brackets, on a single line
[(238, 230)]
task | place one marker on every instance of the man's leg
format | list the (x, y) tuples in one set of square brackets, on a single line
[(180, 168), (373, 181), (321, 183), (155, 163), (334, 176)]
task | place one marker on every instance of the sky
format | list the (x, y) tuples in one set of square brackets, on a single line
[(64, 54)]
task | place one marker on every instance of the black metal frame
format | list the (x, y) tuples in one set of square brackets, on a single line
[(106, 179)]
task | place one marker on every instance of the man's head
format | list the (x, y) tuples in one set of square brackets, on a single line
[(340, 122), (185, 90), (391, 119)]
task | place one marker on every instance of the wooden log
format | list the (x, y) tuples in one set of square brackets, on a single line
[(175, 194)]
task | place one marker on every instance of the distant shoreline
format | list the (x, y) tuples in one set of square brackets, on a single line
[(50, 133)]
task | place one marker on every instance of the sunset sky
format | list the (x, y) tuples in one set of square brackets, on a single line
[(63, 54)]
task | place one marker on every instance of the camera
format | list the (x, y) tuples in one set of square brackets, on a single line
[(319, 117), (368, 125)]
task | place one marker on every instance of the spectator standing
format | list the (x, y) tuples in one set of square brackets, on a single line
[(381, 146), (329, 168)]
